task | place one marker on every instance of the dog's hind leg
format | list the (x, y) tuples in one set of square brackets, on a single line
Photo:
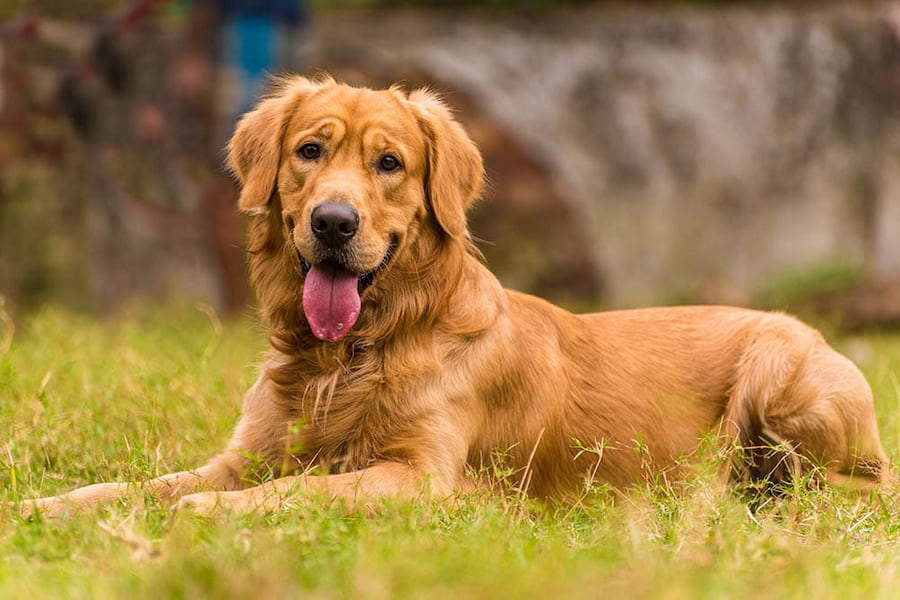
[(829, 411), (797, 405)]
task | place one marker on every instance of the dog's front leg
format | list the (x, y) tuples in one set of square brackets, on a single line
[(382, 480), (259, 434), (218, 474)]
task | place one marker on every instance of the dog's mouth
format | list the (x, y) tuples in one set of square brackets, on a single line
[(331, 295)]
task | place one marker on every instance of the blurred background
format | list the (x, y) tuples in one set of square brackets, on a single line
[(637, 153)]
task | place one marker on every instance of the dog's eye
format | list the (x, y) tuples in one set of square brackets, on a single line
[(310, 151), (389, 163)]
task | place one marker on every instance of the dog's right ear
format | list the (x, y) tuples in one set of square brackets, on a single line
[(254, 151)]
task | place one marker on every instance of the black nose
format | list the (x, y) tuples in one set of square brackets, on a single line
[(334, 224)]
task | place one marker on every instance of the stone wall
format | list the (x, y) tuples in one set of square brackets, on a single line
[(649, 155)]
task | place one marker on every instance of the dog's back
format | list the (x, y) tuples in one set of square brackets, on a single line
[(646, 386)]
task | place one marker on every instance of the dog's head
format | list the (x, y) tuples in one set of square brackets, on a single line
[(360, 176)]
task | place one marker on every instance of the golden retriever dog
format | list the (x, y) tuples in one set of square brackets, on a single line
[(399, 365)]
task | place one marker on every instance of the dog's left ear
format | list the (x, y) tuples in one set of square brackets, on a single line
[(455, 169), (254, 151)]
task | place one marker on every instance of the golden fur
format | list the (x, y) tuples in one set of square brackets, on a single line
[(444, 366)]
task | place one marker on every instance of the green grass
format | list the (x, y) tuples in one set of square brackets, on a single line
[(159, 390)]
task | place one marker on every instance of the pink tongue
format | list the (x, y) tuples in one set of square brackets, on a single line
[(330, 301)]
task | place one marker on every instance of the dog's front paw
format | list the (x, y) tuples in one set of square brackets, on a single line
[(251, 501), (206, 504), (45, 507)]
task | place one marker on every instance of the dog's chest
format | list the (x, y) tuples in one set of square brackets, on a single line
[(357, 428)]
